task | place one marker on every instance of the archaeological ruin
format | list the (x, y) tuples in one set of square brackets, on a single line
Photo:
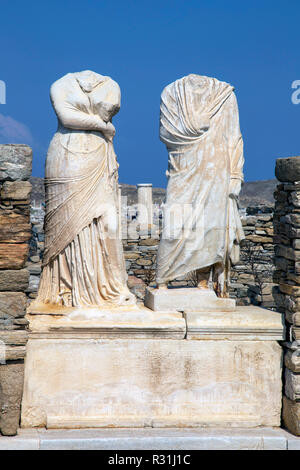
[(138, 329)]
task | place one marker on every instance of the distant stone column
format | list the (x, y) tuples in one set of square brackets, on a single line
[(120, 209), (287, 275), (145, 204)]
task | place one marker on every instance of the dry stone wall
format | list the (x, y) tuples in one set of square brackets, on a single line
[(15, 233), (36, 249), (252, 278), (287, 275)]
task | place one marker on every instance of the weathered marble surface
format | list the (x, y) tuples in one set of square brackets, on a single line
[(145, 205), (189, 298), (199, 124), (135, 322), (149, 439), (128, 375), (83, 262), (245, 323)]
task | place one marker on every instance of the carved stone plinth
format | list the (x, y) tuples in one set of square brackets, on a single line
[(187, 298), (141, 369), (245, 323), (92, 323)]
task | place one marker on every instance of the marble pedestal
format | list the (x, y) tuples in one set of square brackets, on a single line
[(186, 298), (154, 369)]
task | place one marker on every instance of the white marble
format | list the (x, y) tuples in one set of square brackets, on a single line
[(27, 439), (189, 298), (136, 322), (83, 262), (145, 205), (162, 439), (199, 124), (76, 380), (245, 323), (151, 439)]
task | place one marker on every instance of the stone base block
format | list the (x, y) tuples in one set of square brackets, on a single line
[(151, 439), (186, 298), (291, 415), (81, 382), (244, 323), (11, 389), (93, 323)]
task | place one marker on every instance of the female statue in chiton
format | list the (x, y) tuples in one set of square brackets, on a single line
[(199, 123), (83, 261)]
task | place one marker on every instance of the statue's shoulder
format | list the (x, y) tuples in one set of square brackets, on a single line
[(205, 81), (62, 83), (167, 91), (66, 78), (113, 84), (196, 81)]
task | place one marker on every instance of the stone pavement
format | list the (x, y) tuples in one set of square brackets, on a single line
[(152, 439)]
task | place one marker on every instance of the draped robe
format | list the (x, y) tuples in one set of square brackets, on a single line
[(199, 124), (83, 262)]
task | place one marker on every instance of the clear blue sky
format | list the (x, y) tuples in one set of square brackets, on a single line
[(144, 45)]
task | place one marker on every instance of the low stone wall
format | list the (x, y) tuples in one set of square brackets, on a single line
[(252, 278), (36, 250), (287, 274), (15, 233)]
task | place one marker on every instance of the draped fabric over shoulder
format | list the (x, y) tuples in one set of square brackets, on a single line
[(83, 261), (199, 124)]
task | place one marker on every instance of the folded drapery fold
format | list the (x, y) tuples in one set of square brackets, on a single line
[(73, 202), (199, 124), (83, 261)]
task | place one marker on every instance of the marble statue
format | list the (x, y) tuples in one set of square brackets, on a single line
[(83, 261), (199, 124)]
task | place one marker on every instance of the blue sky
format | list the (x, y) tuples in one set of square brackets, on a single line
[(144, 45)]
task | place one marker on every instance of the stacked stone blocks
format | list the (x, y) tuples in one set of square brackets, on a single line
[(15, 233), (287, 275), (251, 280)]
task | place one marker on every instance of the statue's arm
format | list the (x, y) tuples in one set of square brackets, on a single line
[(70, 115)]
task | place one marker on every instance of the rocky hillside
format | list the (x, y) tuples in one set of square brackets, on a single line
[(253, 193)]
